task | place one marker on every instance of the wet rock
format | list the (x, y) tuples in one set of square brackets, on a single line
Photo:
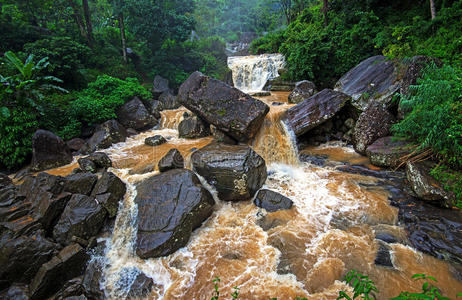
[(83, 217), (423, 184), (16, 292), (81, 297), (22, 256), (4, 180), (75, 144), (315, 110), (81, 183), (141, 287), (134, 114), (131, 132), (49, 151), (386, 152), (87, 165), (160, 85), (169, 101), (172, 160), (155, 140), (94, 275), (170, 206), (155, 107), (71, 288), (386, 237), (267, 222), (101, 160), (272, 201), (227, 108), (383, 257), (350, 123), (192, 128), (106, 134), (109, 191), (373, 80), (303, 90), (375, 122), (261, 94), (278, 84), (221, 137), (317, 160), (235, 171), (69, 263), (47, 208)]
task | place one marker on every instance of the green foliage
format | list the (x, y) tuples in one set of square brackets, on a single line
[(362, 286), (67, 58), (429, 291), (435, 120), (269, 43), (451, 181)]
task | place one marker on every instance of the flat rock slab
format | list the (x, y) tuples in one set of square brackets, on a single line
[(386, 152), (170, 206), (272, 201), (374, 79), (235, 171), (224, 106), (315, 110)]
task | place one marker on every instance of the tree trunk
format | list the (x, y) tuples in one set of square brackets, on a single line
[(324, 10), (78, 19), (433, 9), (87, 14), (122, 35)]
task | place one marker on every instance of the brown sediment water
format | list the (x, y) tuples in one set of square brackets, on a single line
[(304, 251)]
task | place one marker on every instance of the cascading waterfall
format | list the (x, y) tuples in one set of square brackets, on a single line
[(251, 73)]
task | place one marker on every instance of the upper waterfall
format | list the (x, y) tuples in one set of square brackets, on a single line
[(250, 73)]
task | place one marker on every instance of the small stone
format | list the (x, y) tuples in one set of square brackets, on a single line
[(272, 201), (155, 140)]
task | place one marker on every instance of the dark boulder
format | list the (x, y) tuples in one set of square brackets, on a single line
[(229, 109), (83, 217), (87, 165), (94, 275), (101, 160), (71, 288), (75, 144), (141, 287), (69, 263), (315, 110), (81, 183), (134, 114), (160, 85), (221, 137), (303, 90), (373, 123), (374, 79), (22, 256), (383, 257), (16, 292), (192, 128), (235, 171), (423, 184), (4, 180), (109, 191), (108, 133), (169, 101), (172, 160), (170, 206), (272, 201), (155, 107), (49, 151), (155, 140), (47, 208), (386, 152)]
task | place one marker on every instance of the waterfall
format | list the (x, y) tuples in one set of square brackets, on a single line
[(250, 73)]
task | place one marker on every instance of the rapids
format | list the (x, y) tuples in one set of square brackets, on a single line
[(303, 251), (250, 73)]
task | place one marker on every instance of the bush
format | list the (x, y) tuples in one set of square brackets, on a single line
[(435, 120)]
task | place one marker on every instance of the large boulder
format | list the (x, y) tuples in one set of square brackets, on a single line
[(109, 191), (108, 133), (170, 206), (423, 184), (193, 127), (83, 217), (69, 263), (386, 152), (155, 107), (81, 183), (373, 123), (169, 101), (141, 287), (374, 79), (75, 144), (235, 171), (134, 114), (272, 201), (315, 110), (160, 85), (303, 90), (49, 151), (172, 160), (226, 107)]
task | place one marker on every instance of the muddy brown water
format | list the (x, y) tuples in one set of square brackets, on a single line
[(304, 251)]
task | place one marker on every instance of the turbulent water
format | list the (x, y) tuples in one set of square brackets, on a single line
[(250, 73)]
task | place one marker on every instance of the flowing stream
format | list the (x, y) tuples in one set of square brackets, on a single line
[(302, 252)]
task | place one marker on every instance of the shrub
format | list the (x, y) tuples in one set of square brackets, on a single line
[(435, 120)]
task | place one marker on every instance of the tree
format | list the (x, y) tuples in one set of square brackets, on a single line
[(325, 9), (432, 9)]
